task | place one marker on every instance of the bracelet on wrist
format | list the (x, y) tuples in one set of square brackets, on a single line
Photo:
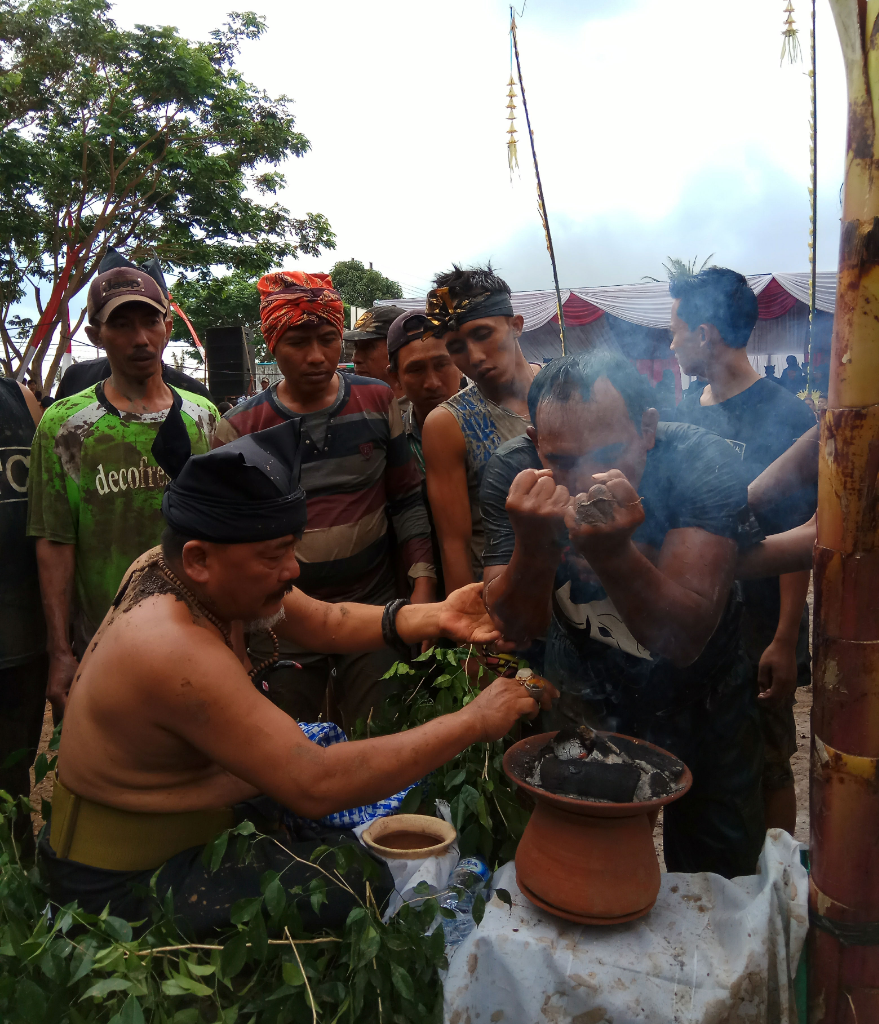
[(389, 627)]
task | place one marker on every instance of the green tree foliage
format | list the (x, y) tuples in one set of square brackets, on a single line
[(230, 301), (361, 286), (139, 139), (59, 965)]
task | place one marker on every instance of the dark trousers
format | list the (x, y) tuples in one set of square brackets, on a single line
[(203, 899), (339, 688), (718, 825), (22, 706)]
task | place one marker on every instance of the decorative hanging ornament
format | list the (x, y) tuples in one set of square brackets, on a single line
[(790, 42), (512, 154)]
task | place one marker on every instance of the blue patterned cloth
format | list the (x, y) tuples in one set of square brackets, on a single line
[(325, 734)]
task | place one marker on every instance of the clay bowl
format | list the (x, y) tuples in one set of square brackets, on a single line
[(584, 860), (440, 835)]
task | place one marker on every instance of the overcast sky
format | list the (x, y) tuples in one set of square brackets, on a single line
[(663, 128)]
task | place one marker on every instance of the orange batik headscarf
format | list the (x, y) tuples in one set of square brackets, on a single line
[(291, 297)]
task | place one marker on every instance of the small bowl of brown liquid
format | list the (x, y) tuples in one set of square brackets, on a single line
[(409, 836)]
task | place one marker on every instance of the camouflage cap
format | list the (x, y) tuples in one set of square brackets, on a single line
[(374, 323)]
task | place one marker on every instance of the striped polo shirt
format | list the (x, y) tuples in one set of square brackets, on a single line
[(357, 473)]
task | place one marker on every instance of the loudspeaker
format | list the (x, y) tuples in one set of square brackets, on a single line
[(229, 372)]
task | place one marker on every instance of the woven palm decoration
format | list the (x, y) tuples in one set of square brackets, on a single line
[(790, 41), (512, 153)]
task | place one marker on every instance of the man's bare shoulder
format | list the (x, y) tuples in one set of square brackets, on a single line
[(441, 436)]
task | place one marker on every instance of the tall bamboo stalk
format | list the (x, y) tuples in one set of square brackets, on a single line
[(844, 888)]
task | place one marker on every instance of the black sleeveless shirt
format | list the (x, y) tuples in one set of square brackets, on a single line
[(22, 630)]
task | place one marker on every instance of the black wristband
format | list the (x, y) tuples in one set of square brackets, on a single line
[(389, 627)]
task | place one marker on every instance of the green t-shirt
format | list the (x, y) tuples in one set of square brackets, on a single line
[(94, 483)]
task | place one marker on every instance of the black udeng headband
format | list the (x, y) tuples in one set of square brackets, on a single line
[(389, 627)]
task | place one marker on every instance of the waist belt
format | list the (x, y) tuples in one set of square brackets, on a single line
[(106, 837)]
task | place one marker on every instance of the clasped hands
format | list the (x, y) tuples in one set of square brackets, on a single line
[(599, 523)]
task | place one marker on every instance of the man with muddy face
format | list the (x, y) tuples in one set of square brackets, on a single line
[(615, 536), (472, 312), (166, 731)]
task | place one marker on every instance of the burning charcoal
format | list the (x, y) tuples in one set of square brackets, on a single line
[(592, 780), (568, 744), (653, 786), (653, 760)]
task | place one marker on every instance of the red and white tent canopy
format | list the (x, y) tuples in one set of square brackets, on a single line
[(650, 304)]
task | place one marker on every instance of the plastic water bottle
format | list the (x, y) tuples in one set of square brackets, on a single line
[(471, 874)]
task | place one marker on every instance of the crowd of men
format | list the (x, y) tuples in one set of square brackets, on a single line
[(189, 586)]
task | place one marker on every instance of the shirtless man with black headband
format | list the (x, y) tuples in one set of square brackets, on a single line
[(165, 735)]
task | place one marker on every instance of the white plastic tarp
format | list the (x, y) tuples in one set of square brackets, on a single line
[(709, 952), (648, 304)]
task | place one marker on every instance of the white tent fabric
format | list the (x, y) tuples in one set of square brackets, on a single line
[(647, 304), (825, 288)]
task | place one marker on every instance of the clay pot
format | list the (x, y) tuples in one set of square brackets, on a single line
[(439, 836), (589, 862)]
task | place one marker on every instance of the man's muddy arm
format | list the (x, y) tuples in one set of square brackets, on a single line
[(791, 471), (779, 554), (445, 465), (220, 714), (519, 596), (671, 608), (56, 565), (351, 628)]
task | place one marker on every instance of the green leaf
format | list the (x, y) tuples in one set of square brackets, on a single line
[(202, 970), (318, 889), (246, 828), (402, 981), (233, 955), (441, 682), (447, 913), (14, 758), (245, 909), (455, 779), (42, 767), (370, 944), (504, 897), (213, 852), (81, 964), (191, 985), (118, 929), (411, 801), (105, 986), (131, 1013), (478, 910), (292, 974), (30, 1001), (275, 897), (258, 937)]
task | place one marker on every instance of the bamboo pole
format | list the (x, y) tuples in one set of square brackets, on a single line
[(844, 884)]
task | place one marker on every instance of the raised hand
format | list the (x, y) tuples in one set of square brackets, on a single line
[(536, 506), (463, 617), (602, 522)]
